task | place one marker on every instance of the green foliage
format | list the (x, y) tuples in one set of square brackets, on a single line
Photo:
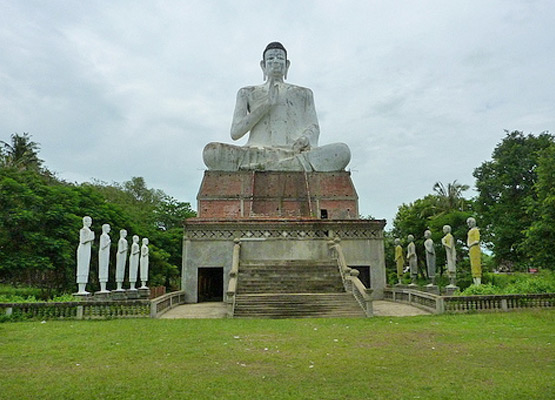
[(540, 236), (40, 217), (481, 290), (508, 203), (517, 283), (21, 153), (446, 207)]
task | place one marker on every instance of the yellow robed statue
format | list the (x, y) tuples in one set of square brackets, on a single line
[(399, 259), (473, 243)]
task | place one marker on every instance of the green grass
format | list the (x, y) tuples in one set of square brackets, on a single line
[(479, 356)]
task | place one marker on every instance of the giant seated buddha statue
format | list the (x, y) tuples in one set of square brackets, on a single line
[(282, 125)]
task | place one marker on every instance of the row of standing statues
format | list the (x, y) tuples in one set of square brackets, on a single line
[(138, 259), (448, 242)]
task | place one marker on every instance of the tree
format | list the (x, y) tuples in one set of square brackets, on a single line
[(507, 191), (450, 197), (40, 217), (540, 237), (21, 153), (445, 207)]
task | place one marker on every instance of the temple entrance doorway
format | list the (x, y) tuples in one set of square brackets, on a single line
[(210, 284)]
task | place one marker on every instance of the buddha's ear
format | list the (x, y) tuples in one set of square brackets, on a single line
[(263, 66), (287, 64)]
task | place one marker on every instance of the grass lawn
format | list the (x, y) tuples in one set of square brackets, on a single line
[(478, 356)]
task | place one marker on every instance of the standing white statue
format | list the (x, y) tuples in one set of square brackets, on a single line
[(411, 257), (448, 242), (283, 126), (144, 263), (430, 256), (134, 262), (104, 257), (121, 258), (86, 238)]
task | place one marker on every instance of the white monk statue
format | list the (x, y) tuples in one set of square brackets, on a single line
[(411, 257), (144, 263), (86, 238), (104, 257), (121, 259), (283, 126), (448, 242), (430, 256), (474, 251), (134, 263)]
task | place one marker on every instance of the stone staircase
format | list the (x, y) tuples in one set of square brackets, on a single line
[(292, 289)]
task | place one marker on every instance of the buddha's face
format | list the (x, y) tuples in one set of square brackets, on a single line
[(275, 63)]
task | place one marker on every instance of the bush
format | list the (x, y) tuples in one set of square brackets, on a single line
[(517, 283), (482, 290)]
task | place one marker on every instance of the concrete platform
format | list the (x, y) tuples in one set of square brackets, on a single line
[(382, 308), (198, 310)]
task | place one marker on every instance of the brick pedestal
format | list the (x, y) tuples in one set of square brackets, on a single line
[(252, 194)]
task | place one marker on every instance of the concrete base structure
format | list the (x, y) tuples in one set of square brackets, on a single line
[(276, 216), (208, 244)]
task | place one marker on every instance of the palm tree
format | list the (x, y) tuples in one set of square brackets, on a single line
[(21, 153), (451, 196)]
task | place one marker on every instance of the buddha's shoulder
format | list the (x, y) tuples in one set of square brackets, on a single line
[(286, 86)]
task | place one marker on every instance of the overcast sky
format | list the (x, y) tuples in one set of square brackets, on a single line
[(421, 91)]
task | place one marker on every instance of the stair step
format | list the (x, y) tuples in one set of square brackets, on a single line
[(292, 289)]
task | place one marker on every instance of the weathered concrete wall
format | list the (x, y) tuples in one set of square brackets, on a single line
[(203, 254)]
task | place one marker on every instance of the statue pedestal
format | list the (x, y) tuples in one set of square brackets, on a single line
[(253, 194), (118, 295), (276, 215), (132, 294), (144, 293), (102, 296), (432, 289), (82, 296), (450, 290), (413, 286)]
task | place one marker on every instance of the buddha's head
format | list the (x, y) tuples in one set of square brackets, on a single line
[(427, 234), (274, 62), (446, 229)]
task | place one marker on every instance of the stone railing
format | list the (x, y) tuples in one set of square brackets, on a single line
[(166, 302), (452, 304), (351, 282), (93, 309), (498, 302), (233, 276), (78, 310)]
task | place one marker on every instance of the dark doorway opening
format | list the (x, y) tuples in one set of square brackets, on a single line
[(324, 214), (210, 284), (364, 274)]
